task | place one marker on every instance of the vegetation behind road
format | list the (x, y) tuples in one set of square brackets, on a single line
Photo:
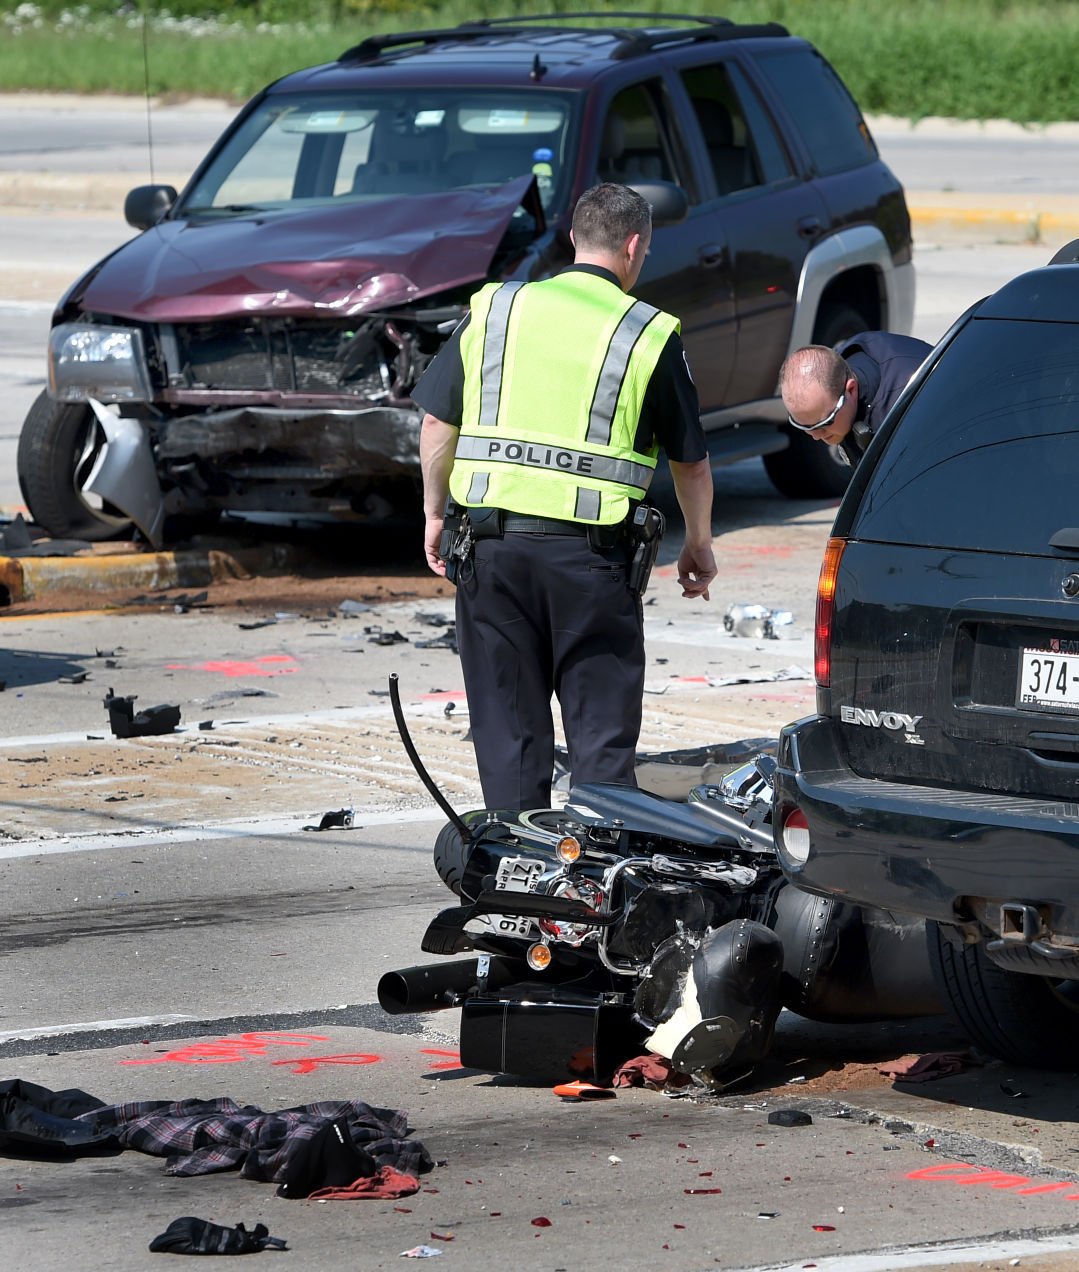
[(968, 59)]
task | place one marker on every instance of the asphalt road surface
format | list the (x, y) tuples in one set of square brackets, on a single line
[(169, 929)]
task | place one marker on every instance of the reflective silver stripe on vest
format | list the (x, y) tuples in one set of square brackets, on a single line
[(494, 351), (556, 458), (613, 373), (588, 504), (478, 488)]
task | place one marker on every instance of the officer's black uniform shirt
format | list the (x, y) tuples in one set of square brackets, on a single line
[(882, 363), (670, 414)]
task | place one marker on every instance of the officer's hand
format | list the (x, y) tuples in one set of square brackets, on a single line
[(696, 569), (432, 535)]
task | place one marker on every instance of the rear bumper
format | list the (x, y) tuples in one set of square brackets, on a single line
[(948, 855)]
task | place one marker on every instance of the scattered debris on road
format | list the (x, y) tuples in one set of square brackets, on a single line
[(339, 820), (126, 723)]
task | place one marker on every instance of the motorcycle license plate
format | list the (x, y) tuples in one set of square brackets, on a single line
[(515, 874), (518, 874), (1048, 680)]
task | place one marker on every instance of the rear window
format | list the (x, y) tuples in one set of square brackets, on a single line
[(986, 455), (820, 107)]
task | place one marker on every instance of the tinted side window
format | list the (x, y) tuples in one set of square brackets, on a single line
[(635, 146), (986, 455), (821, 108), (740, 155)]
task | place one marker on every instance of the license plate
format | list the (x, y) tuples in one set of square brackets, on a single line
[(515, 874), (1048, 680), (518, 874)]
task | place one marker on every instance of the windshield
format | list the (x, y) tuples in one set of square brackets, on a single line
[(307, 149), (986, 455)]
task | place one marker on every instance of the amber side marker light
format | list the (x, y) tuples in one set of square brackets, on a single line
[(568, 850), (822, 643), (538, 957)]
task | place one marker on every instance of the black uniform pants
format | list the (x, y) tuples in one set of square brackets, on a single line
[(547, 614)]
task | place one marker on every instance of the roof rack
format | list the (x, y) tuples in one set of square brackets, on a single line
[(629, 41)]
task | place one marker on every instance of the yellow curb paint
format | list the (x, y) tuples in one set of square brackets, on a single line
[(149, 571)]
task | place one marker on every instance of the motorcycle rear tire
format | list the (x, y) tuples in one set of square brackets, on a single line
[(451, 854)]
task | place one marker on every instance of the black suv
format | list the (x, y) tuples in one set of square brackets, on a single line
[(941, 774), (255, 348)]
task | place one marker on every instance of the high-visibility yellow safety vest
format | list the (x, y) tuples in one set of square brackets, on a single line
[(555, 378)]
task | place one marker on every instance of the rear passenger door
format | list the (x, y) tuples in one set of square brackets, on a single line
[(756, 203), (687, 269)]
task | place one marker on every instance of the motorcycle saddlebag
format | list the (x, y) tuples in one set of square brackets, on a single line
[(549, 1034)]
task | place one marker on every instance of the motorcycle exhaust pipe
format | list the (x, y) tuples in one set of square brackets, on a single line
[(436, 986)]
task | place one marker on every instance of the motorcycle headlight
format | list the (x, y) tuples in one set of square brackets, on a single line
[(107, 363)]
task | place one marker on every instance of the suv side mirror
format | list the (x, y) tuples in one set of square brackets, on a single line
[(146, 205), (670, 203)]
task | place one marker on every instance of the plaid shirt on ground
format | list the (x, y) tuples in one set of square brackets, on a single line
[(202, 1136)]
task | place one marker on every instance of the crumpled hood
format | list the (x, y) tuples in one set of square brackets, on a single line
[(327, 260)]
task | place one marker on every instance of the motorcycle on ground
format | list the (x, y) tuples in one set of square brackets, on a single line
[(627, 923)]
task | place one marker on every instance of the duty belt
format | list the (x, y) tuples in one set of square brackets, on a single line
[(513, 523)]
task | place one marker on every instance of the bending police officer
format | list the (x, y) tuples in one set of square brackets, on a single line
[(544, 416), (839, 396)]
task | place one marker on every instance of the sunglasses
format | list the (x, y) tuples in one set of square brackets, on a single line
[(810, 428)]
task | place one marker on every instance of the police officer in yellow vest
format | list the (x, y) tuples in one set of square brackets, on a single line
[(544, 417)]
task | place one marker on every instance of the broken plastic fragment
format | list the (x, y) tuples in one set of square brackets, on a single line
[(125, 723), (541, 1222), (701, 1192), (789, 1117), (420, 1252), (339, 820)]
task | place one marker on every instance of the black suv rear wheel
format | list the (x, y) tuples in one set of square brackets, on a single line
[(1026, 1020), (808, 469)]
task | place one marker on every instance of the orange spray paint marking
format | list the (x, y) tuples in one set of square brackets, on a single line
[(308, 1064), (230, 1050), (453, 1062), (266, 665)]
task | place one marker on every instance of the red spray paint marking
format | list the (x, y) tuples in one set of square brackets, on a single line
[(454, 1062), (266, 665), (230, 1050), (308, 1064), (983, 1176)]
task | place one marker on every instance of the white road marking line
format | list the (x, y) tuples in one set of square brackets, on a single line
[(926, 1256), (92, 1026), (245, 829)]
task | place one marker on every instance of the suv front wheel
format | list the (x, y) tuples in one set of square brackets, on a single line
[(1024, 1019)]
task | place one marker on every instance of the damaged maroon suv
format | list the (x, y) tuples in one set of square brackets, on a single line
[(254, 349)]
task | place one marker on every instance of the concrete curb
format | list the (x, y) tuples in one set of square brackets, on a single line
[(31, 578)]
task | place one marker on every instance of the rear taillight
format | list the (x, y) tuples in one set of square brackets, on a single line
[(794, 837), (822, 645)]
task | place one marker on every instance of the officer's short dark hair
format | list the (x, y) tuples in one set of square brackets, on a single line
[(607, 215)]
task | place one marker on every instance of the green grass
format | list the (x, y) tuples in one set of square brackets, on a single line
[(970, 59)]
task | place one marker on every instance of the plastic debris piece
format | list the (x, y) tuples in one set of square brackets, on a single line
[(824, 1227), (583, 1091), (743, 618), (789, 1117), (448, 640), (767, 1214), (126, 723), (379, 637), (258, 622), (205, 726), (701, 1192), (339, 820), (76, 678), (614, 1160), (790, 672), (1010, 1090), (420, 1252), (441, 1236), (541, 1222), (352, 607)]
